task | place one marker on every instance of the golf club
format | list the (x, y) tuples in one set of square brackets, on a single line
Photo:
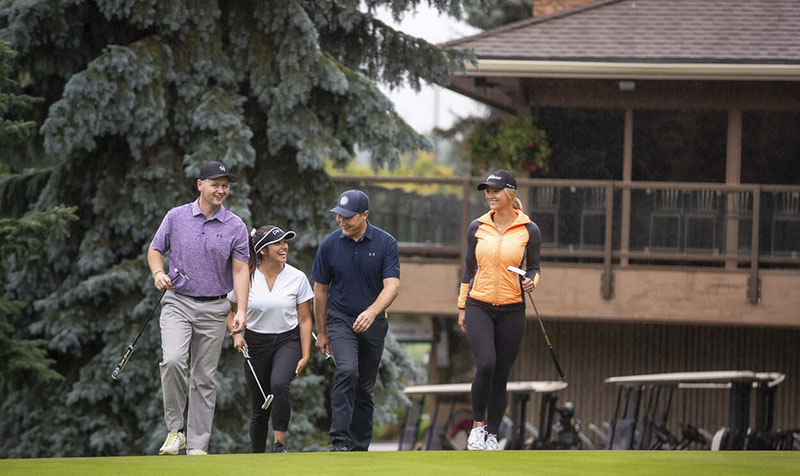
[(267, 398), (328, 355), (561, 374), (132, 346)]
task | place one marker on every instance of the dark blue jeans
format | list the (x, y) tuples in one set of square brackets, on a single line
[(358, 356)]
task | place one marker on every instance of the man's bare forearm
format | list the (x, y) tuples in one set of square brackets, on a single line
[(321, 307), (391, 288)]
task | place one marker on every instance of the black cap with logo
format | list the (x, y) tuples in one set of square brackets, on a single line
[(498, 180), (214, 170)]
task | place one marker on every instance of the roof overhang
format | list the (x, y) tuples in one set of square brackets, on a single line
[(631, 70)]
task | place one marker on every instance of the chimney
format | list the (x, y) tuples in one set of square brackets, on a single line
[(543, 8)]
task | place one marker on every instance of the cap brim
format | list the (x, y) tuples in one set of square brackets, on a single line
[(230, 177), (287, 235), (343, 212), (494, 185)]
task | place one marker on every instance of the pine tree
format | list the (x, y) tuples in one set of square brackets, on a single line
[(500, 13), (139, 94), (22, 240), (13, 128)]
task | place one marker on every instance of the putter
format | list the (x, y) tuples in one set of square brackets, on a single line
[(267, 398), (561, 374), (328, 355), (132, 346)]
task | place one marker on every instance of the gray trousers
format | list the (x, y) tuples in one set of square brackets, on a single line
[(191, 329)]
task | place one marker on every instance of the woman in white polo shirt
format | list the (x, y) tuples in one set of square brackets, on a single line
[(278, 334)]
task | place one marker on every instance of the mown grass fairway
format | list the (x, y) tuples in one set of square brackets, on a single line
[(544, 463)]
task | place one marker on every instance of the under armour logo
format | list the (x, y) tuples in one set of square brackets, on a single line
[(222, 168), (371, 253)]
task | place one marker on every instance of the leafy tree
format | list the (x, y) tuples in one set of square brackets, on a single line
[(422, 164), (140, 93)]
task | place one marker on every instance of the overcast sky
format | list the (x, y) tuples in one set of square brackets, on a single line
[(418, 108)]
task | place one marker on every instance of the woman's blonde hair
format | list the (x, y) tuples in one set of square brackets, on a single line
[(516, 203)]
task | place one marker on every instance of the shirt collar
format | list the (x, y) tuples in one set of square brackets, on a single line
[(221, 215), (367, 235)]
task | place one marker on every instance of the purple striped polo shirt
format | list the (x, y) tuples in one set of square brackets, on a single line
[(202, 248)]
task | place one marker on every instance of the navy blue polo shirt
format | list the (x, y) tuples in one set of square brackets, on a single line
[(355, 270)]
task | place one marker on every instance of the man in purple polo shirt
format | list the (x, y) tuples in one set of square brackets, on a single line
[(209, 245)]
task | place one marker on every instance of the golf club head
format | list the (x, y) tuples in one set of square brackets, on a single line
[(267, 402)]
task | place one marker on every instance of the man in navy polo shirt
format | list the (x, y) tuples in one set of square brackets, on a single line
[(356, 276), (210, 247)]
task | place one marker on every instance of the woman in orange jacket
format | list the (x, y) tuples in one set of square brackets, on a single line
[(491, 303)]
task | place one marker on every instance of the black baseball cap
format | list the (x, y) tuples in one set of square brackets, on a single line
[(498, 180), (350, 203), (214, 170)]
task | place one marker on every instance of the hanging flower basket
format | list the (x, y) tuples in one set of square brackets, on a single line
[(514, 144)]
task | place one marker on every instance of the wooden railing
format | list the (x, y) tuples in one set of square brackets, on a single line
[(603, 222)]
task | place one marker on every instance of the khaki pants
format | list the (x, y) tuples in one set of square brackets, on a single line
[(191, 329)]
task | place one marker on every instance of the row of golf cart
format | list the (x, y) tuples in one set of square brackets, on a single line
[(640, 421)]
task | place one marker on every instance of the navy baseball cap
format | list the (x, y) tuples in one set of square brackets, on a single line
[(498, 180), (214, 170), (350, 203)]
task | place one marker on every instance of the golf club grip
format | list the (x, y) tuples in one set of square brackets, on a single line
[(123, 361), (561, 374), (330, 360)]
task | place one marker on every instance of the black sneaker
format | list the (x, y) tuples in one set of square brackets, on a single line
[(337, 446), (279, 447)]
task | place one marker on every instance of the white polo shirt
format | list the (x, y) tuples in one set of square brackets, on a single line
[(275, 311)]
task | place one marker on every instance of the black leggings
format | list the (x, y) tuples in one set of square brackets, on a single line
[(495, 337), (274, 358)]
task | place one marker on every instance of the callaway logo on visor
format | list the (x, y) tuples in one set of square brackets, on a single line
[(275, 235)]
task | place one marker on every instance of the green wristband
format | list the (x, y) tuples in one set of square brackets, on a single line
[(156, 272)]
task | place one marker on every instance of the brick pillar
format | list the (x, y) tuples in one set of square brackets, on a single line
[(548, 7)]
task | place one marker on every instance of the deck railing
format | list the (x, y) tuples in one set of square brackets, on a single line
[(611, 223)]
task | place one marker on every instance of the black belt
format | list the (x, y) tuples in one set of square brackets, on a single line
[(205, 298)]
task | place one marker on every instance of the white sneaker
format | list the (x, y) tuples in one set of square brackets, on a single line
[(477, 438), (175, 442), (196, 452), (491, 443)]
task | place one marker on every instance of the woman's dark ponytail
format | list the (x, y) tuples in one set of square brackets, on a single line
[(255, 236)]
